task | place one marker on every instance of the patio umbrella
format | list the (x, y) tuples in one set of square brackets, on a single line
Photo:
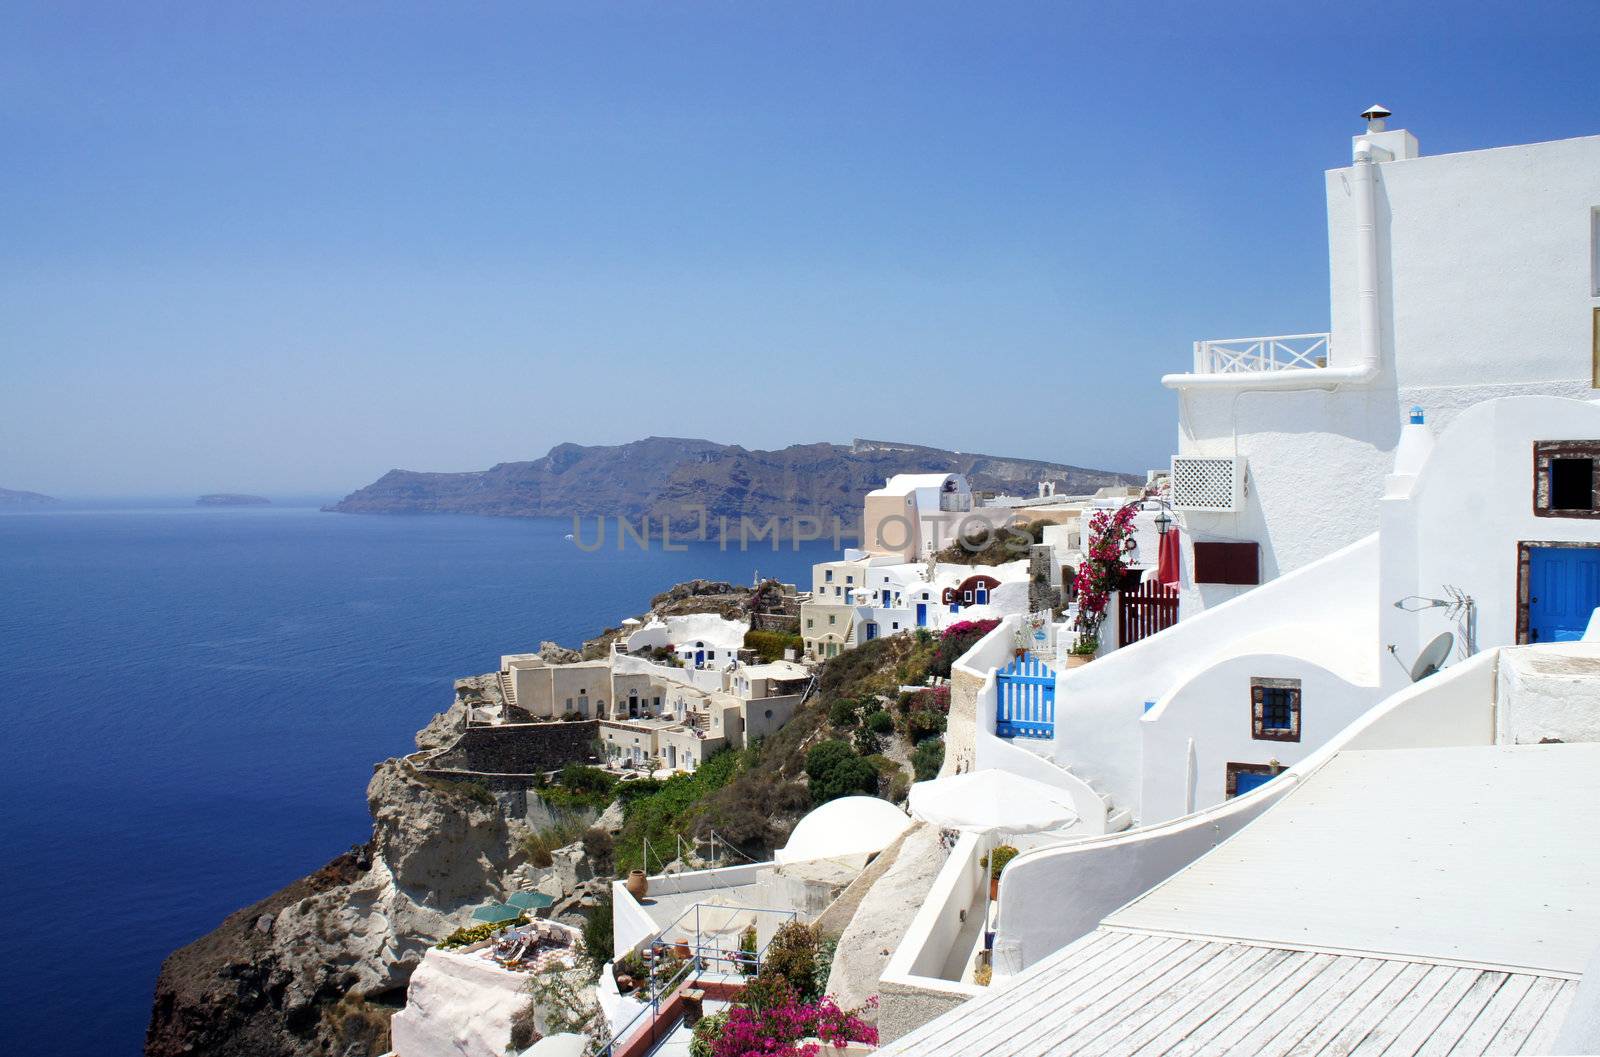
[(528, 901), (496, 912), (992, 801)]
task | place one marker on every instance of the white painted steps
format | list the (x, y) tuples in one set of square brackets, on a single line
[(1117, 819)]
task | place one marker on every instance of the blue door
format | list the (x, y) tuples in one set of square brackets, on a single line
[(983, 596), (872, 631), (1025, 692), (699, 658), (1245, 781), (886, 598), (922, 614), (1563, 592)]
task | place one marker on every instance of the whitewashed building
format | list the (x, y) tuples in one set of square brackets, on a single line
[(1387, 540)]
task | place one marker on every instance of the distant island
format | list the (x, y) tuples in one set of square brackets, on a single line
[(232, 499), (8, 497), (675, 478)]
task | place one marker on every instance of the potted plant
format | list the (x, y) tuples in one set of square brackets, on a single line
[(1019, 643), (996, 861), (1082, 652)]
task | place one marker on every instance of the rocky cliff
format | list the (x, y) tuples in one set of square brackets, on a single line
[(318, 967), (674, 478)]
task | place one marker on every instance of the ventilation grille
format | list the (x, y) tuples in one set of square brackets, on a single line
[(1216, 485)]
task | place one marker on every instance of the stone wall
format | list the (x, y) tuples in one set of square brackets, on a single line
[(516, 749)]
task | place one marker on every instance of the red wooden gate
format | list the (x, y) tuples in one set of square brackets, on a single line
[(1145, 610)]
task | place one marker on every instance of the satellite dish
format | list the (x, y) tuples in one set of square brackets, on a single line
[(1433, 656)]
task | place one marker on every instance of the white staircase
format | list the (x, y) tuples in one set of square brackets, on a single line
[(1117, 819), (506, 691)]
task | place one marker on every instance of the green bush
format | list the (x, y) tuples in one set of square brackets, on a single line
[(663, 811), (706, 1034), (997, 859), (538, 845), (880, 722), (834, 769), (473, 933), (923, 723), (867, 743), (581, 779), (597, 933), (792, 956), (842, 713), (769, 645), (927, 758)]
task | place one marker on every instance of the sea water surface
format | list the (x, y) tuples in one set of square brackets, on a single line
[(195, 698)]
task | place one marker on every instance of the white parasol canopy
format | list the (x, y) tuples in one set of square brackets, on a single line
[(991, 801)]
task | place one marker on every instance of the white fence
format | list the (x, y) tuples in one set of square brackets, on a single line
[(1282, 352)]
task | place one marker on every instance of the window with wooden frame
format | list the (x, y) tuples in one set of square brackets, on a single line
[(1243, 777), (1275, 709), (1565, 481)]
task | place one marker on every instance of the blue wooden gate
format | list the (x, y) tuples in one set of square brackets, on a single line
[(1026, 699)]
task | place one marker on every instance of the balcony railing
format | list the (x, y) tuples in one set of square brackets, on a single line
[(955, 502), (1284, 352)]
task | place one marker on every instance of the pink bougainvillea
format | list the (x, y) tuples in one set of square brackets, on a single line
[(1110, 534), (776, 1028)]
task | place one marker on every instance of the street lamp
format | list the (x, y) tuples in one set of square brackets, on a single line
[(1163, 522)]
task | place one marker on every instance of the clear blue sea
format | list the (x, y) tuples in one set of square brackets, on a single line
[(195, 699)]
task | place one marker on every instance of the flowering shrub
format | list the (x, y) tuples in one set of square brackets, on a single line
[(957, 639), (933, 699), (1110, 538), (776, 1028)]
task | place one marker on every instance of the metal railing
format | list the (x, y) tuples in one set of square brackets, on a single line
[(704, 957), (1283, 352)]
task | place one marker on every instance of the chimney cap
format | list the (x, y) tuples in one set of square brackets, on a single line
[(1376, 112)]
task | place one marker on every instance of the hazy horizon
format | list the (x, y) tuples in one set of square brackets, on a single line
[(283, 251)]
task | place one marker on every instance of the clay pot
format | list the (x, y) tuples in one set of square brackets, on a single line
[(994, 888), (680, 947), (625, 983), (638, 884), (1078, 660)]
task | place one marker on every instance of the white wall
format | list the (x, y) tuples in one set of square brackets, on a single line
[(919, 959), (1463, 516), (1100, 705), (1484, 262), (1051, 897), (1214, 709)]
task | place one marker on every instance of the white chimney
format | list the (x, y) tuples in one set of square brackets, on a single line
[(1378, 142)]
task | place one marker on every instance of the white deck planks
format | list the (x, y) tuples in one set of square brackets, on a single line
[(1118, 994), (1461, 854), (1397, 904)]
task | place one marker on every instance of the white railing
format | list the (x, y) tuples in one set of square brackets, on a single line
[(1283, 352)]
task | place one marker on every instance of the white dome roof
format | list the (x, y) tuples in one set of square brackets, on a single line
[(851, 827)]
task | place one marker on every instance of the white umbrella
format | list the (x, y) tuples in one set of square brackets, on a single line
[(991, 801)]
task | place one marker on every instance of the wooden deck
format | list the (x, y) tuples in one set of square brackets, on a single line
[(1118, 993)]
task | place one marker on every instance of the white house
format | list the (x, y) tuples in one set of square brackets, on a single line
[(1453, 279), (1312, 474), (1406, 890)]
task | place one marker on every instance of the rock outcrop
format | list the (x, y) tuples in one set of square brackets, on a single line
[(318, 967)]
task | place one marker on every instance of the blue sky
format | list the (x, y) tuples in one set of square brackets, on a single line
[(286, 247)]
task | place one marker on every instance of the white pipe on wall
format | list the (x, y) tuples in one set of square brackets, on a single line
[(1366, 203)]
